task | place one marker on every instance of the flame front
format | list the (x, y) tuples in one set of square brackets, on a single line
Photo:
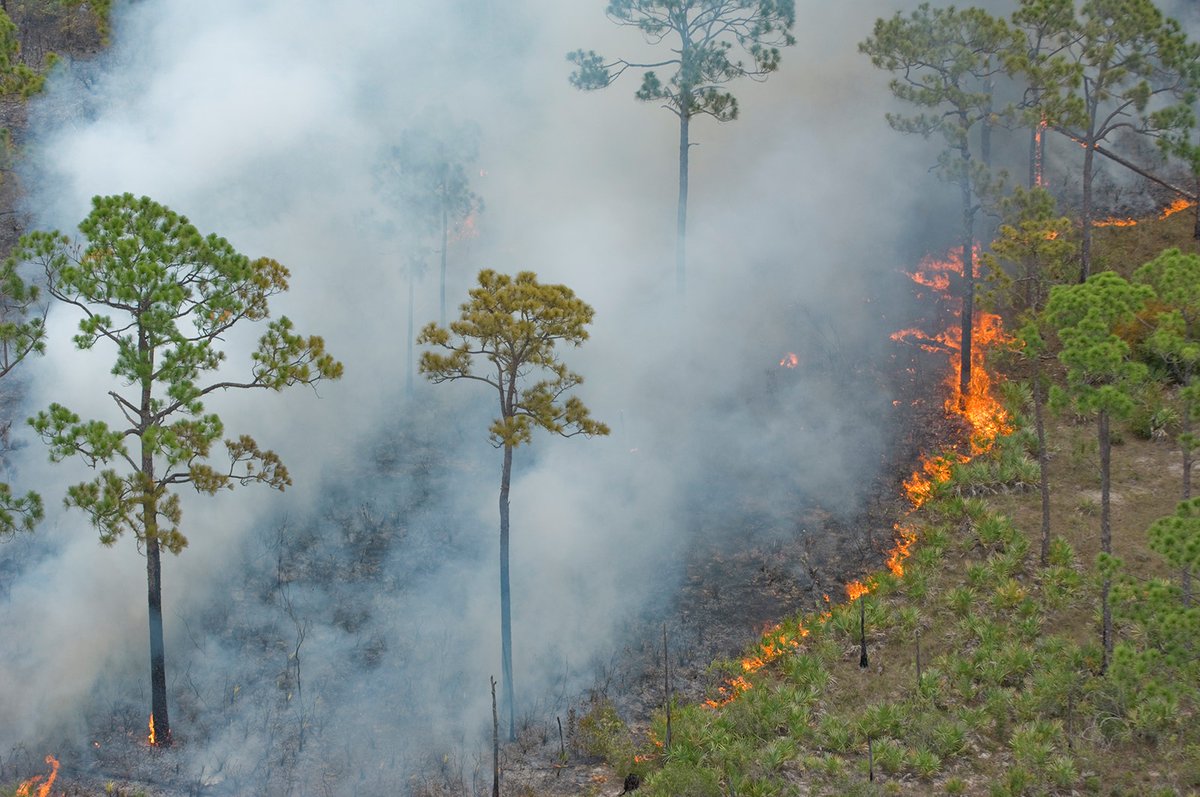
[(1177, 206), (981, 413), (44, 789)]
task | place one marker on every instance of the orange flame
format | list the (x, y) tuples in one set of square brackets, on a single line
[(43, 790), (1177, 206), (790, 360), (151, 738), (1038, 179), (982, 414), (856, 589), (469, 228)]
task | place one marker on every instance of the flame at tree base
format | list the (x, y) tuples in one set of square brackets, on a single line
[(44, 789)]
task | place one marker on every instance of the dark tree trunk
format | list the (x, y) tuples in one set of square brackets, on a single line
[(1196, 225), (495, 744), (158, 656), (1105, 529), (681, 215), (1037, 154), (506, 597), (1085, 251), (667, 687), (968, 284), (1039, 419), (1186, 435)]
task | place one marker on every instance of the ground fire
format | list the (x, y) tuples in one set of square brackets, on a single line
[(980, 414), (43, 790)]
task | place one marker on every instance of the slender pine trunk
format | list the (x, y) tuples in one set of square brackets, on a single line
[(1105, 529), (1186, 436), (968, 284), (681, 215), (158, 654), (506, 596), (495, 743), (1085, 251), (1039, 419)]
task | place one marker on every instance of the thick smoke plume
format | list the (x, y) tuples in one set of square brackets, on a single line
[(270, 125)]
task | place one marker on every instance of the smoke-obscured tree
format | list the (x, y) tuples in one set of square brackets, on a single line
[(506, 337), (22, 333), (1176, 128), (700, 38), (1034, 243), (424, 180), (1127, 56), (946, 62), (1100, 374), (1039, 59), (430, 169), (163, 297)]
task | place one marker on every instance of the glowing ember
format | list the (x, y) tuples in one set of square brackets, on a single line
[(790, 360), (44, 789), (1039, 136), (151, 737), (467, 229)]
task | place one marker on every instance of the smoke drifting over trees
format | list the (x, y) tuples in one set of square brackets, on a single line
[(269, 124)]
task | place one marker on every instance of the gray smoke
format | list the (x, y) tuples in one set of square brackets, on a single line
[(268, 125)]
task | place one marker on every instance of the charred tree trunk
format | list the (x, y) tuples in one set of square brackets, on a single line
[(1039, 420), (1085, 251), (1105, 530), (968, 284), (1196, 225), (667, 688), (681, 214), (496, 743), (161, 728), (158, 655), (1186, 439), (1037, 154), (506, 597)]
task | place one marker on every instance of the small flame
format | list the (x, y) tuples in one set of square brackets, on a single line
[(1177, 206), (469, 228), (151, 738), (1039, 134), (790, 360), (856, 589), (44, 789)]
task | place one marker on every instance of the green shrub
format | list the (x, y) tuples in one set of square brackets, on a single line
[(602, 733), (683, 781), (834, 734), (924, 762)]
